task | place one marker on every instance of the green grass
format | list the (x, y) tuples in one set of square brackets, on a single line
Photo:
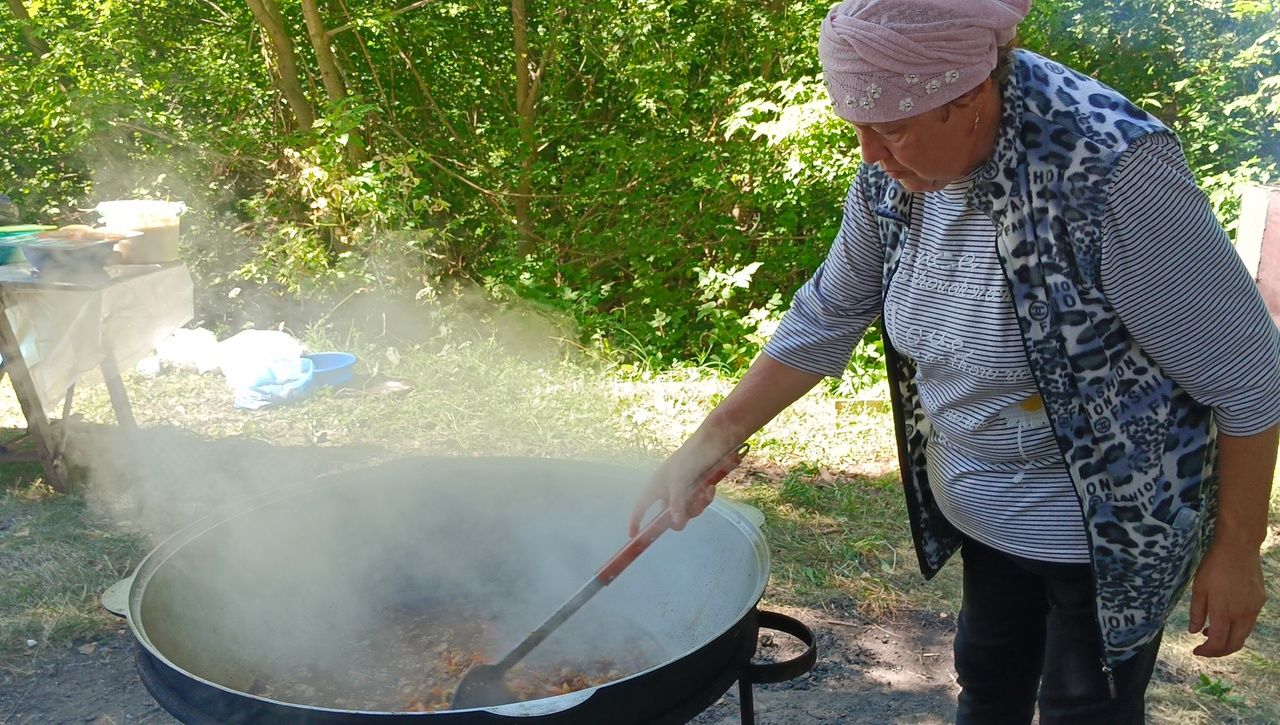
[(56, 557), (844, 538)]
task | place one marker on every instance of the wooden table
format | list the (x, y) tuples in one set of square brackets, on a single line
[(51, 333)]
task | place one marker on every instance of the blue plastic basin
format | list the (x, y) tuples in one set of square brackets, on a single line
[(332, 368)]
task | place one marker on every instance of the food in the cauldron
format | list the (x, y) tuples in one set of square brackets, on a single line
[(525, 682), (413, 663)]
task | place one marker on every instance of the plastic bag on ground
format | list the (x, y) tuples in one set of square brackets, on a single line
[(245, 355), (263, 367), (280, 381), (188, 349)]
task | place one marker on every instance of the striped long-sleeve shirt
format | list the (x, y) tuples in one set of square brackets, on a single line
[(1168, 270)]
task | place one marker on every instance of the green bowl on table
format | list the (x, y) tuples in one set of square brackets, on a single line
[(77, 255), (11, 254)]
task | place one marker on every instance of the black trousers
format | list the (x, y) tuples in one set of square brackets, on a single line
[(1027, 631)]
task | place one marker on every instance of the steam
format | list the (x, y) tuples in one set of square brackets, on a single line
[(294, 580), (487, 380)]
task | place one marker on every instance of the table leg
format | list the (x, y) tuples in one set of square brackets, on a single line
[(60, 444), (119, 396), (24, 387)]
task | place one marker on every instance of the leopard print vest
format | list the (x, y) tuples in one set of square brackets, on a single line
[(1141, 452)]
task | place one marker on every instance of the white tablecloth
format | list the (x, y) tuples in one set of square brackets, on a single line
[(64, 331)]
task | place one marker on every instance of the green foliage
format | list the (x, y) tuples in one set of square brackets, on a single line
[(324, 218), (797, 487), (1216, 689), (686, 174)]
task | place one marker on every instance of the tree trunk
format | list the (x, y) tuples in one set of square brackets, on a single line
[(269, 17), (526, 96), (33, 41), (330, 73)]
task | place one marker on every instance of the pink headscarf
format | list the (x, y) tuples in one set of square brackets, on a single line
[(885, 60)]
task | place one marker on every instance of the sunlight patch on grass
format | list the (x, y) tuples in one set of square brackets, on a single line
[(843, 537), (474, 399), (815, 428)]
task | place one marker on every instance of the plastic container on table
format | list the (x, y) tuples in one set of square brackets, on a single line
[(70, 260), (157, 223), (75, 253)]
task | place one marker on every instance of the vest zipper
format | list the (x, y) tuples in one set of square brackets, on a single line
[(1107, 671), (1111, 679)]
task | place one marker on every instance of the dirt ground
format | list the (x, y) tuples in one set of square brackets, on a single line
[(892, 672), (895, 672)]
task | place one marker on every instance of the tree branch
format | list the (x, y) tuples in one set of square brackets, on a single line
[(33, 41), (334, 86), (170, 139), (386, 16), (226, 15), (426, 92)]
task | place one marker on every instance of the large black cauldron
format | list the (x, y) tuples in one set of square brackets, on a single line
[(290, 581)]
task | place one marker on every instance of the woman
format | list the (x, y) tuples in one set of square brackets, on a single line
[(1085, 381)]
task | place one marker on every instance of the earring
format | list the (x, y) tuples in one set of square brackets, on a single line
[(976, 118)]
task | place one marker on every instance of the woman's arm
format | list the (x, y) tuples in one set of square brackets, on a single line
[(828, 316)]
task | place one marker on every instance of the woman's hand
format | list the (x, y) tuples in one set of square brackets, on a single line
[(1228, 594), (685, 483), (766, 388), (1228, 590)]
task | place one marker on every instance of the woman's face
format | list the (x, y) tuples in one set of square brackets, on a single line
[(927, 151)]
